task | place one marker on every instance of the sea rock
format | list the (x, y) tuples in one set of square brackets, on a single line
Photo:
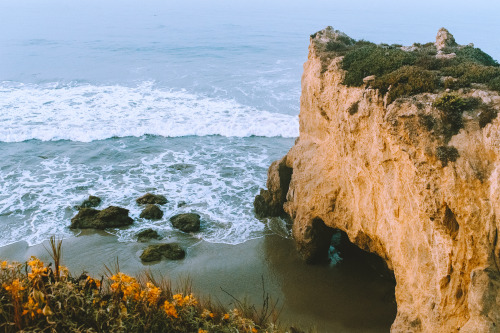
[(111, 217), (147, 235), (188, 222), (375, 175), (158, 251), (270, 202), (444, 39), (149, 198), (151, 212), (91, 202)]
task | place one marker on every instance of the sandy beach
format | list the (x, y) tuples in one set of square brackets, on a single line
[(347, 297)]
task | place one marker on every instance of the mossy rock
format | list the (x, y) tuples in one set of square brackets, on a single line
[(91, 202), (157, 252), (188, 222), (151, 212), (149, 198), (147, 235), (111, 217)]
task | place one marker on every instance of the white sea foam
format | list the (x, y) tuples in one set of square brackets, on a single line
[(216, 179), (88, 112)]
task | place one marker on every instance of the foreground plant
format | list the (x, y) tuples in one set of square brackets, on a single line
[(38, 297)]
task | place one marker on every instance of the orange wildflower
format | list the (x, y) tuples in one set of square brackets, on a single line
[(14, 288), (153, 293), (31, 308), (186, 300), (170, 309), (126, 284)]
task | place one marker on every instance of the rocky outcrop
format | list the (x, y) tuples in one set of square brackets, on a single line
[(147, 235), (444, 39), (151, 212), (149, 198), (91, 202), (270, 202), (157, 252), (111, 217), (188, 222), (379, 172)]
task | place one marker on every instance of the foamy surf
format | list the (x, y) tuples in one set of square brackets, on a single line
[(216, 177), (87, 113)]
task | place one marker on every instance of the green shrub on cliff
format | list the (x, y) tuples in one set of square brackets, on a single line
[(373, 60), (395, 66), (452, 106), (406, 81), (473, 54), (447, 154), (470, 72), (494, 84)]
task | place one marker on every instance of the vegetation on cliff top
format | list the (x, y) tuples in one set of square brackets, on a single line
[(405, 71), (39, 297)]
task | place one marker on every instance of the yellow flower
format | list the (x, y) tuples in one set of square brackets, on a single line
[(226, 316), (202, 331), (170, 309), (4, 264), (187, 300), (254, 330), (37, 268), (207, 313), (14, 288), (153, 293), (126, 284), (31, 308)]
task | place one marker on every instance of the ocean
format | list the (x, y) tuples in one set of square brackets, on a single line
[(189, 99)]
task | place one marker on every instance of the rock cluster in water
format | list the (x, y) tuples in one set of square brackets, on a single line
[(114, 217), (375, 170)]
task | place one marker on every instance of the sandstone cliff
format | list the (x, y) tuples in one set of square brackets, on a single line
[(379, 172)]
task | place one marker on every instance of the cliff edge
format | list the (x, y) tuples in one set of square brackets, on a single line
[(405, 159)]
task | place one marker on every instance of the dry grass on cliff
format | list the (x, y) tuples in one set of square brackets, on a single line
[(39, 297)]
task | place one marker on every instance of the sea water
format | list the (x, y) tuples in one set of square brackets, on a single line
[(189, 99)]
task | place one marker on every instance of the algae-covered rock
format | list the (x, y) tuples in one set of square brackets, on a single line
[(188, 222), (111, 217), (147, 235), (158, 251), (151, 212), (91, 202), (149, 198)]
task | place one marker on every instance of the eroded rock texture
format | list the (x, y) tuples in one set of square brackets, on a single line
[(373, 171)]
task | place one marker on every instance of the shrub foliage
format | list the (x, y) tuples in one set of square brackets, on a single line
[(36, 297), (463, 66), (452, 107), (406, 81)]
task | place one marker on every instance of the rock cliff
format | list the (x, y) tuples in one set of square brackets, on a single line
[(390, 176)]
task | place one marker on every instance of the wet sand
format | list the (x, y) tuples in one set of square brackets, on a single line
[(350, 296)]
